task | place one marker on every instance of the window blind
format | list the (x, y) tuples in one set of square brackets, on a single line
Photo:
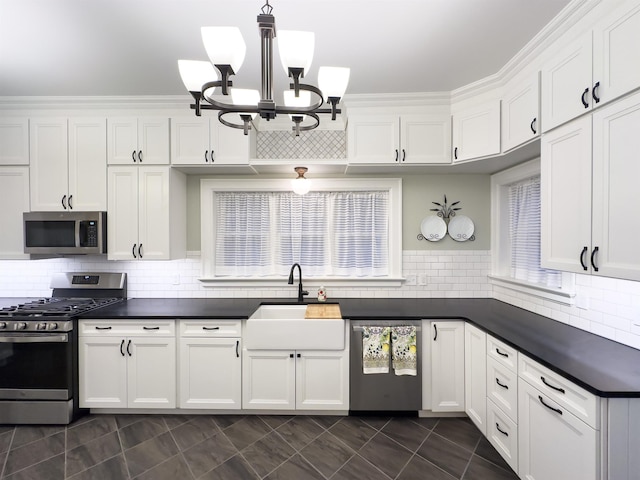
[(329, 233), (524, 231)]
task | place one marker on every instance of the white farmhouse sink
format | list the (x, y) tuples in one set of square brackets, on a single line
[(283, 327)]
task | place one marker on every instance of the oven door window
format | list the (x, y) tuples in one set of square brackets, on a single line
[(34, 364)]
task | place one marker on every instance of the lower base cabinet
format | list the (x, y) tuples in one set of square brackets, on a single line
[(443, 366), (502, 433), (295, 380), (120, 371)]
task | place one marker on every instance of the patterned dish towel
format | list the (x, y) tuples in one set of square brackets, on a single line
[(404, 350), (375, 349)]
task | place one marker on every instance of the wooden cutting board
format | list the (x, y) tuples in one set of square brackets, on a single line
[(323, 310)]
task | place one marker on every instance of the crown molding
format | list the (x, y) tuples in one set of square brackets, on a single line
[(127, 102)]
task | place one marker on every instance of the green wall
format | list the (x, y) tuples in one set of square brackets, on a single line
[(418, 191)]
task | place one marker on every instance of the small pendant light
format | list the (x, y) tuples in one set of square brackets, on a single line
[(300, 184)]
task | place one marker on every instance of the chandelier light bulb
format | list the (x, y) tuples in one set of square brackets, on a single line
[(333, 81), (302, 100)]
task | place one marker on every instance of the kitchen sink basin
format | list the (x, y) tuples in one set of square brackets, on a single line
[(284, 327)]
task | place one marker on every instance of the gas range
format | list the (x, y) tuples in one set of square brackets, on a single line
[(49, 314)]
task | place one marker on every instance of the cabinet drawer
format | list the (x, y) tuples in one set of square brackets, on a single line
[(112, 328), (502, 388), (503, 353), (570, 396), (210, 328), (502, 432)]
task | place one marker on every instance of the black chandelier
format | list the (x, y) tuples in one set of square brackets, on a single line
[(226, 50)]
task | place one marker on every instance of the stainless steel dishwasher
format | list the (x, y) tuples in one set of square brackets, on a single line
[(382, 392)]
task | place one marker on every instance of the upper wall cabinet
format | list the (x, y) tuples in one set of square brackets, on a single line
[(476, 131), (599, 67), (68, 164), (14, 141), (520, 112), (14, 185), (410, 138), (138, 141), (587, 197), (205, 141)]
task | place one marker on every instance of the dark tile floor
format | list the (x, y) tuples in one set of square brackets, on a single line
[(180, 447)]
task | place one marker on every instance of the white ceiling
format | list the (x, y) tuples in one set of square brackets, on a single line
[(131, 47)]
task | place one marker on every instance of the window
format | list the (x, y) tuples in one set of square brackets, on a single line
[(343, 229), (515, 248)]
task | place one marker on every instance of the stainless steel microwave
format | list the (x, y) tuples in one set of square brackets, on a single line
[(65, 233)]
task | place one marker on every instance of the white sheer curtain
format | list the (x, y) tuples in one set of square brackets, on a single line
[(524, 229), (341, 234)]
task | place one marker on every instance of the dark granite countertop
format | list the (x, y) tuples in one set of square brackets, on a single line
[(603, 367)]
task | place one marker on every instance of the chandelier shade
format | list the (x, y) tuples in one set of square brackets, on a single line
[(224, 46), (296, 50), (226, 50)]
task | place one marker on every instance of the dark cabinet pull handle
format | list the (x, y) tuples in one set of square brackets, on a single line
[(533, 128), (213, 155), (584, 98), (397, 154), (206, 158), (64, 205), (69, 202), (211, 328), (298, 355), (557, 410), (435, 330), (593, 255), (404, 154), (455, 153), (151, 328), (140, 250), (140, 156), (291, 355), (500, 353), (103, 328), (237, 347), (133, 250), (506, 387), (128, 347), (500, 430), (122, 347), (557, 389), (594, 94), (582, 254), (133, 156)]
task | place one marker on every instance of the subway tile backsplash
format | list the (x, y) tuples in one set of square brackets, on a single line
[(608, 307)]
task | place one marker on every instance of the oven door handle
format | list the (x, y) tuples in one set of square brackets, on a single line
[(38, 338)]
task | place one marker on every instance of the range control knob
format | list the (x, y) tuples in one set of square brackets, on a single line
[(41, 326), (3, 325), (21, 326), (52, 326)]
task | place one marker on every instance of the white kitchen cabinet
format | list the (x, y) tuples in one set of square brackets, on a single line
[(14, 141), (401, 139), (140, 141), (127, 364), (587, 227), (520, 111), (210, 365), (502, 433), (475, 372), (476, 131), (599, 67), (146, 214), (14, 185), (206, 141), (553, 443), (295, 380), (446, 365), (68, 164)]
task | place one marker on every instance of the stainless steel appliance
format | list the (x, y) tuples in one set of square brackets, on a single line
[(39, 348), (382, 392), (65, 233)]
